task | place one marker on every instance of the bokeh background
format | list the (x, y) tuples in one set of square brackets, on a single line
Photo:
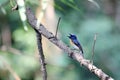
[(19, 59)]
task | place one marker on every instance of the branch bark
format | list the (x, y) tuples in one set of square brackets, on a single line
[(75, 55), (42, 58)]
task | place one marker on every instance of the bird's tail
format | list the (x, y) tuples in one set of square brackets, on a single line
[(81, 49)]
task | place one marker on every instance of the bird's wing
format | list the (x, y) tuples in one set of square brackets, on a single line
[(78, 45)]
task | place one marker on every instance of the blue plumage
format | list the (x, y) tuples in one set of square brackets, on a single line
[(74, 40)]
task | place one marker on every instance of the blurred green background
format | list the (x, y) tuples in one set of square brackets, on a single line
[(19, 59)]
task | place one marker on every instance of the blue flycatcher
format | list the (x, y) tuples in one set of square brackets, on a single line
[(74, 41)]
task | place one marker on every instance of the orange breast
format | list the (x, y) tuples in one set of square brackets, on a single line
[(71, 42), (73, 45)]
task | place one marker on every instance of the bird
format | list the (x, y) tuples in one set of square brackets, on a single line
[(74, 40)]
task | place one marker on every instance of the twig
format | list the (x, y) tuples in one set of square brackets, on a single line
[(42, 58), (93, 48), (32, 21), (16, 77), (95, 3), (57, 26), (10, 49), (14, 5)]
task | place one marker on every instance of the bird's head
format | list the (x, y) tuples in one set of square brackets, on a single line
[(72, 36)]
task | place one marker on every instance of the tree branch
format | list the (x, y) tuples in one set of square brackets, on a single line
[(57, 26), (6, 65), (93, 48), (42, 58), (75, 55)]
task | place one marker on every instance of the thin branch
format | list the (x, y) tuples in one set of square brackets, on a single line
[(14, 5), (16, 77), (93, 48), (75, 55), (42, 58), (95, 3), (10, 49), (57, 26)]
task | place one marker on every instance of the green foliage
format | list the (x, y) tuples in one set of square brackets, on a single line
[(107, 45), (2, 1), (76, 19), (28, 40)]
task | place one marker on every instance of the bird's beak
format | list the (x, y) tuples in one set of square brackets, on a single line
[(68, 36)]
